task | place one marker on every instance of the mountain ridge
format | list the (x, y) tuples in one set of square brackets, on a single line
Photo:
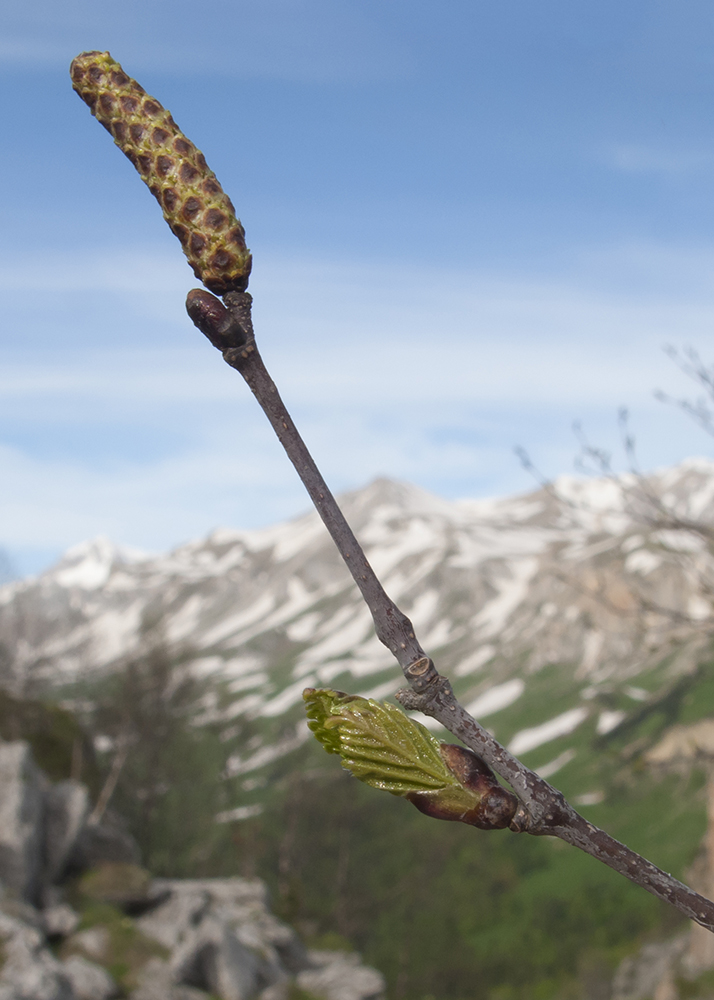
[(561, 578)]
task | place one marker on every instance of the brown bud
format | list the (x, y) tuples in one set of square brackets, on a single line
[(215, 321), (194, 204), (490, 806)]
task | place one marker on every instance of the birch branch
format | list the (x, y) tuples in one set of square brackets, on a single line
[(203, 219), (543, 810)]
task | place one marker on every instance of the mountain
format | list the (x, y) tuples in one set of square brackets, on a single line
[(574, 620), (550, 611)]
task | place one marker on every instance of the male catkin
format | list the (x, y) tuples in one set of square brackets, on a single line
[(194, 204)]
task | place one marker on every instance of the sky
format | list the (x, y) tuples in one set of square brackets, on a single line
[(472, 225)]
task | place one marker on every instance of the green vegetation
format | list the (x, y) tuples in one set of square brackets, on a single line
[(444, 910), (115, 883), (170, 785), (126, 949), (59, 744)]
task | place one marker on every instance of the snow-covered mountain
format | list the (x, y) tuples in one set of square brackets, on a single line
[(551, 611)]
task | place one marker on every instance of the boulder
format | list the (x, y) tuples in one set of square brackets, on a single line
[(23, 789), (156, 982), (29, 970), (88, 980), (67, 808), (238, 903), (212, 958), (182, 908), (92, 943), (107, 842), (59, 921), (340, 975), (645, 973), (125, 886), (222, 936)]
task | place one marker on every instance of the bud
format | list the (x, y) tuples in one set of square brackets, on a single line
[(194, 204), (383, 747), (214, 320)]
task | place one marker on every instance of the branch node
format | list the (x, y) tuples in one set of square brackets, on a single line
[(409, 699), (422, 675), (521, 822)]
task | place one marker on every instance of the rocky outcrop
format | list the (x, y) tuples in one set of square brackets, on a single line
[(23, 790), (650, 973), (171, 939), (66, 812), (339, 976)]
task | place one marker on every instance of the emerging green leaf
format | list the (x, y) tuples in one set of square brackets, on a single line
[(383, 747), (377, 742)]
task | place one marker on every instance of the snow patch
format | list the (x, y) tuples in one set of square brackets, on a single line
[(303, 628), (592, 644), (608, 720), (183, 622), (698, 607), (248, 682), (414, 538), (115, 631), (642, 561), (561, 725), (238, 814), (496, 698), (292, 695), (234, 623), (589, 799), (428, 722), (266, 755), (633, 542), (511, 592), (474, 662), (438, 636), (422, 611), (679, 541), (553, 766), (382, 690), (349, 633)]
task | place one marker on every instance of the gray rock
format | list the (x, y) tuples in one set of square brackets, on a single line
[(639, 975), (88, 980), (212, 958), (213, 925), (239, 904), (340, 975), (101, 843), (183, 908), (67, 808), (278, 991), (22, 804), (60, 920), (156, 982), (29, 971), (93, 943)]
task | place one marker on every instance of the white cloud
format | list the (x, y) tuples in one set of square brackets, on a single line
[(148, 437), (641, 159)]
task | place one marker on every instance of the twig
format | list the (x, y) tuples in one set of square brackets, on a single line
[(543, 810), (111, 783)]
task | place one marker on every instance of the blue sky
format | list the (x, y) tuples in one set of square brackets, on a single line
[(472, 224)]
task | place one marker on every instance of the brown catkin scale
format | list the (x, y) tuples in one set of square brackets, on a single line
[(194, 204)]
